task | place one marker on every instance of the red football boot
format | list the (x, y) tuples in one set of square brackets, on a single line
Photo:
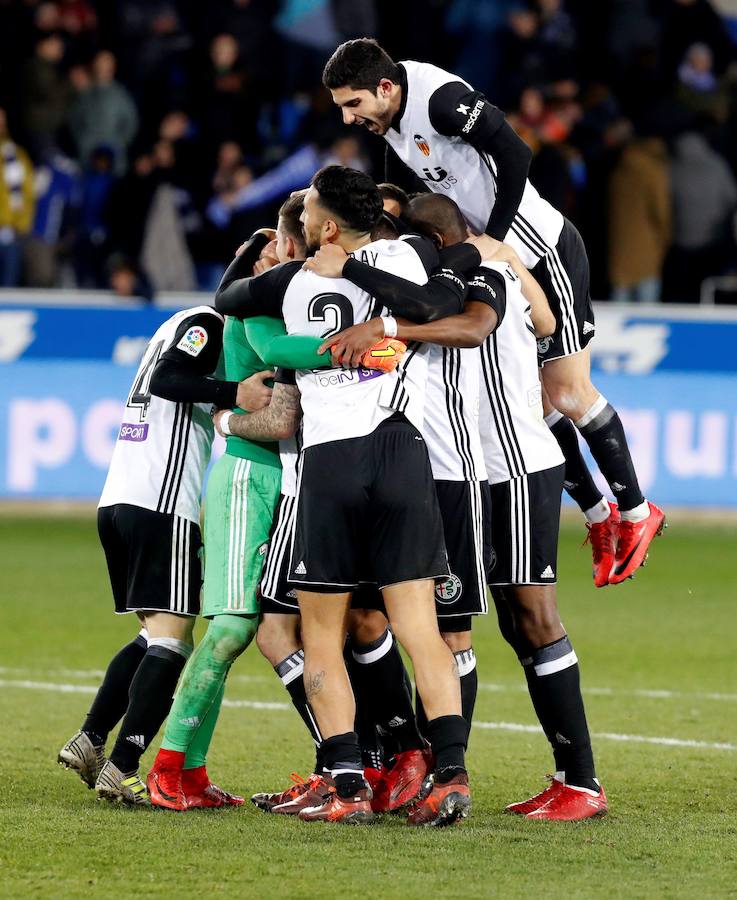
[(572, 804), (528, 806), (633, 542), (316, 789), (441, 804), (403, 782), (268, 801), (165, 780), (376, 779), (603, 539), (355, 810), (201, 793)]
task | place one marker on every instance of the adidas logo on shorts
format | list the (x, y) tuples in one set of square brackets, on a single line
[(548, 573), (301, 569), (588, 327)]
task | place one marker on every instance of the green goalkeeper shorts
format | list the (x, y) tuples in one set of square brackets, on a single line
[(239, 506)]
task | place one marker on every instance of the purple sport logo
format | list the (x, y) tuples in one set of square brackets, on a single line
[(133, 432)]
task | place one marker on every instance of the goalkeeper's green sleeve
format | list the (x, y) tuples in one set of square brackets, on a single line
[(275, 347)]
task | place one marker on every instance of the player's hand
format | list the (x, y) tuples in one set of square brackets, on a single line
[(487, 246), (386, 355), (252, 393), (328, 261), (269, 232), (348, 347)]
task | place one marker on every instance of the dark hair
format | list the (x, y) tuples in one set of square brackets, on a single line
[(290, 212), (390, 191), (350, 195), (428, 213), (359, 64)]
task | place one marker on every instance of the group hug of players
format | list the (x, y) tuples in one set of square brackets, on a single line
[(430, 379)]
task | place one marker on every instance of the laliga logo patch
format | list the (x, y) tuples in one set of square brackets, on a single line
[(193, 341), (448, 591), (422, 145)]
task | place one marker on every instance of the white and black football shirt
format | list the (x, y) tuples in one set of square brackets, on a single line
[(164, 446), (515, 439), (442, 133)]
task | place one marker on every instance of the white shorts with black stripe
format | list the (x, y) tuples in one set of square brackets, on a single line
[(563, 273), (525, 521), (465, 508), (153, 559)]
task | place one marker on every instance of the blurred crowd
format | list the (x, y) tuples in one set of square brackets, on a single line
[(142, 140)]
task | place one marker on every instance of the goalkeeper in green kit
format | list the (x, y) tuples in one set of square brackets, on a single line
[(241, 496)]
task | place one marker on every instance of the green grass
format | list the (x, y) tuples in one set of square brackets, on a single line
[(672, 830)]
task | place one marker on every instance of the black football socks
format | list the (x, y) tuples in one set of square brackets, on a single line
[(151, 695), (342, 757), (448, 736), (111, 700), (466, 662), (379, 681), (553, 678), (578, 480), (291, 671), (602, 429)]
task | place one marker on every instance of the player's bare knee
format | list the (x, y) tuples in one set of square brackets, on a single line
[(366, 625), (540, 626), (168, 625), (457, 640), (278, 636)]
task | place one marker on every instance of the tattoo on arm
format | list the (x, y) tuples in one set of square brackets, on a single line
[(314, 684), (277, 421)]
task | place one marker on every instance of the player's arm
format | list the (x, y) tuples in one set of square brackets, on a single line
[(242, 294), (543, 318), (442, 295), (183, 373), (268, 337), (276, 422), (457, 110), (482, 314)]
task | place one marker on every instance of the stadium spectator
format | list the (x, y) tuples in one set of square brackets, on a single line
[(16, 204), (58, 198), (699, 89), (639, 220), (103, 113), (46, 93), (704, 203), (125, 279), (91, 249)]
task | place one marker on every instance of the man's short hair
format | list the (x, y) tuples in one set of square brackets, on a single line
[(350, 195), (391, 191), (290, 212), (360, 64)]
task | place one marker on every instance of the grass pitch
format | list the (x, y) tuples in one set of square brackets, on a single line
[(658, 668)]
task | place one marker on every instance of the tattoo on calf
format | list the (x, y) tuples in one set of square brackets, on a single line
[(314, 684)]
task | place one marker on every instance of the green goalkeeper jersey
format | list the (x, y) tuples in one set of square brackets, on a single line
[(256, 344)]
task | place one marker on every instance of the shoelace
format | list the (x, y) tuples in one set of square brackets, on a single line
[(597, 537)]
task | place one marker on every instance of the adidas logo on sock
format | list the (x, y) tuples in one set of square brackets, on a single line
[(616, 486), (301, 569), (137, 739), (396, 722), (190, 721), (561, 740), (548, 573)]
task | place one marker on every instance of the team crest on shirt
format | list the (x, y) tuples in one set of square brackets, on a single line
[(448, 591), (422, 145), (193, 341)]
